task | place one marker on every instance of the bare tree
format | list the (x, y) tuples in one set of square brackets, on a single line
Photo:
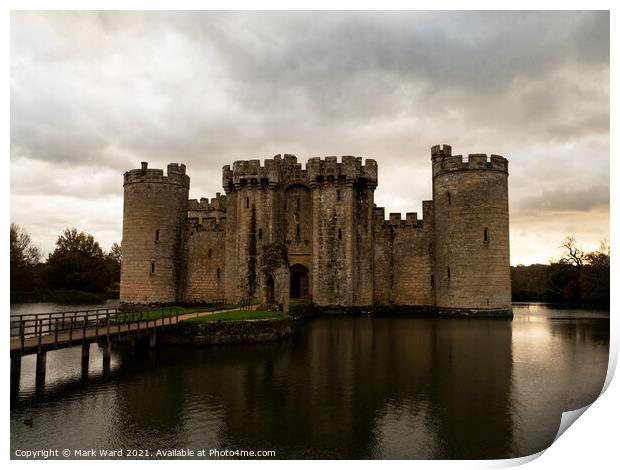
[(572, 254)]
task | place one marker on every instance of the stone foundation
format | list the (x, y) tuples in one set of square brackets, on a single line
[(475, 313), (229, 332)]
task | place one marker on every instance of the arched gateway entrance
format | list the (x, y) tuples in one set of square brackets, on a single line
[(300, 282)]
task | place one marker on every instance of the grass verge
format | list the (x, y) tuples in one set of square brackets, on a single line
[(235, 316), (166, 312)]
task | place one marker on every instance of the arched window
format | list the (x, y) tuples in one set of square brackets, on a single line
[(339, 234), (298, 231), (448, 272), (449, 198), (152, 267), (217, 274), (247, 202), (486, 234), (157, 235), (210, 252)]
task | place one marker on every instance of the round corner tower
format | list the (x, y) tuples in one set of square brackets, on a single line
[(154, 214), (471, 234)]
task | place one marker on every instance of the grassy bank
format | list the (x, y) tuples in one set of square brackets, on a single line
[(166, 312), (236, 316), (238, 326)]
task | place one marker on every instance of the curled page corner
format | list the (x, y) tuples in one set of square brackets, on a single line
[(612, 361), (513, 462), (568, 418)]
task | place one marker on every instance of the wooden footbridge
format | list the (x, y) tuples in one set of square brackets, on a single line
[(39, 333)]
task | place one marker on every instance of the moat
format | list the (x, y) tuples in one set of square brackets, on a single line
[(341, 387)]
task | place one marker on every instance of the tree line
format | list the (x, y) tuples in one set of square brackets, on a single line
[(577, 277), (78, 263)]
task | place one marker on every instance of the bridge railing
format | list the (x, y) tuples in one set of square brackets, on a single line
[(70, 326)]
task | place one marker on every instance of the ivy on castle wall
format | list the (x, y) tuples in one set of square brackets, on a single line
[(274, 256)]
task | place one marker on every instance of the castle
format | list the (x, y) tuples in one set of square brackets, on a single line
[(282, 231)]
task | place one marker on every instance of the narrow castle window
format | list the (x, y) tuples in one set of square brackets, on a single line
[(449, 199), (152, 267), (448, 272), (156, 235), (260, 233), (338, 195), (432, 281), (298, 203), (217, 273), (486, 234), (339, 234), (210, 252), (298, 231), (247, 202)]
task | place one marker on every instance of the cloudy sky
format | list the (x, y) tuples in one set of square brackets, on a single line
[(93, 94)]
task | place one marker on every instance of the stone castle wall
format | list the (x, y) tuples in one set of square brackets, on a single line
[(403, 258), (205, 254), (326, 216), (472, 255), (342, 200), (154, 217)]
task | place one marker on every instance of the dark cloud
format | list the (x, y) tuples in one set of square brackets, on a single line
[(94, 93)]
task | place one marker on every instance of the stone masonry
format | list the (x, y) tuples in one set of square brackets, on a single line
[(339, 249)]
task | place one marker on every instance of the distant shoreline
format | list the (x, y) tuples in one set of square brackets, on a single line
[(64, 296)]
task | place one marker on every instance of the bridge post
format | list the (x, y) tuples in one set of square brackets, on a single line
[(107, 348), (16, 369), (106, 358), (40, 368), (85, 354)]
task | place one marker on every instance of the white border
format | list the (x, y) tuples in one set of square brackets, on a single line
[(592, 442)]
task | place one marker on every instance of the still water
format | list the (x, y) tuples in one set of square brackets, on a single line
[(340, 388)]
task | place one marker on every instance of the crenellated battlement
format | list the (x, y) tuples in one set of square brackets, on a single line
[(444, 150), (175, 175), (285, 170), (445, 162), (395, 219), (218, 203), (349, 169), (250, 172)]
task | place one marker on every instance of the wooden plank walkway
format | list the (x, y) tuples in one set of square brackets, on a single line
[(80, 335)]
